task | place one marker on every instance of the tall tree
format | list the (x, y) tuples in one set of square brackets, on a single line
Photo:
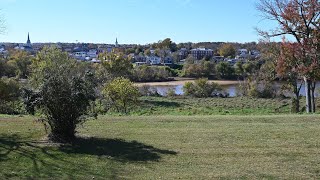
[(300, 20)]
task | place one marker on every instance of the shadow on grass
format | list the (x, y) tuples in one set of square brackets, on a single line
[(48, 159), (117, 149)]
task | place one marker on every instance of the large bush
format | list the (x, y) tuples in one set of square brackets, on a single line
[(201, 88), (62, 92)]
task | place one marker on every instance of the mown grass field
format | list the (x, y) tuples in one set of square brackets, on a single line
[(166, 147)]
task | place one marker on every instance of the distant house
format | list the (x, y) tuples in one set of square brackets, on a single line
[(81, 55), (93, 53), (183, 53), (255, 54), (153, 60), (139, 58), (3, 51), (200, 53), (232, 62), (167, 60), (217, 59), (245, 54)]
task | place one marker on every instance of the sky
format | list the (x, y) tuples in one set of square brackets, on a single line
[(131, 21)]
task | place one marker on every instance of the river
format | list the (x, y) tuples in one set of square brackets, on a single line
[(231, 89)]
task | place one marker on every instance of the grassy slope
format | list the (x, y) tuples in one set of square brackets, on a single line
[(167, 147), (210, 106)]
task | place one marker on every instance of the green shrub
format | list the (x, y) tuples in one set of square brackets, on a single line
[(63, 93), (261, 89), (146, 73), (201, 88), (147, 90), (224, 70), (198, 69), (121, 93), (171, 92), (9, 96)]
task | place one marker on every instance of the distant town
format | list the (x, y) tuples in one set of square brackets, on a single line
[(143, 54)]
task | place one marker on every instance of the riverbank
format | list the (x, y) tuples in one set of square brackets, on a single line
[(182, 81)]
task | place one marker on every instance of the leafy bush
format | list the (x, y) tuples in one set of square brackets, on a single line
[(261, 89), (146, 73), (147, 90), (224, 70), (201, 88), (171, 92), (63, 93), (197, 70), (121, 93), (9, 95)]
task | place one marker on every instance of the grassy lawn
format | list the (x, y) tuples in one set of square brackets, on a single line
[(188, 106), (166, 147)]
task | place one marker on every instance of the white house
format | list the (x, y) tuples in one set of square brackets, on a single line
[(242, 53), (93, 53), (80, 55), (153, 60)]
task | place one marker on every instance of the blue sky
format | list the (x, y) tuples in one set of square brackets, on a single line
[(132, 21)]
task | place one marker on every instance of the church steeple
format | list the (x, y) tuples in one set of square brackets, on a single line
[(116, 45), (28, 41)]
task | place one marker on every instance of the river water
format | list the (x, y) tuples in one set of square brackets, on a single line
[(231, 89)]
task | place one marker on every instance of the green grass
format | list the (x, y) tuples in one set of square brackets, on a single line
[(166, 147), (211, 106)]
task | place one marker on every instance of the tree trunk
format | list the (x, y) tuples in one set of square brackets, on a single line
[(313, 101), (296, 100), (308, 94)]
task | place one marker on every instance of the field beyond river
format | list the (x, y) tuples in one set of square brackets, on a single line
[(182, 81)]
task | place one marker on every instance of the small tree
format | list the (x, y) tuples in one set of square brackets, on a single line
[(122, 93), (224, 70), (62, 93), (238, 69)]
